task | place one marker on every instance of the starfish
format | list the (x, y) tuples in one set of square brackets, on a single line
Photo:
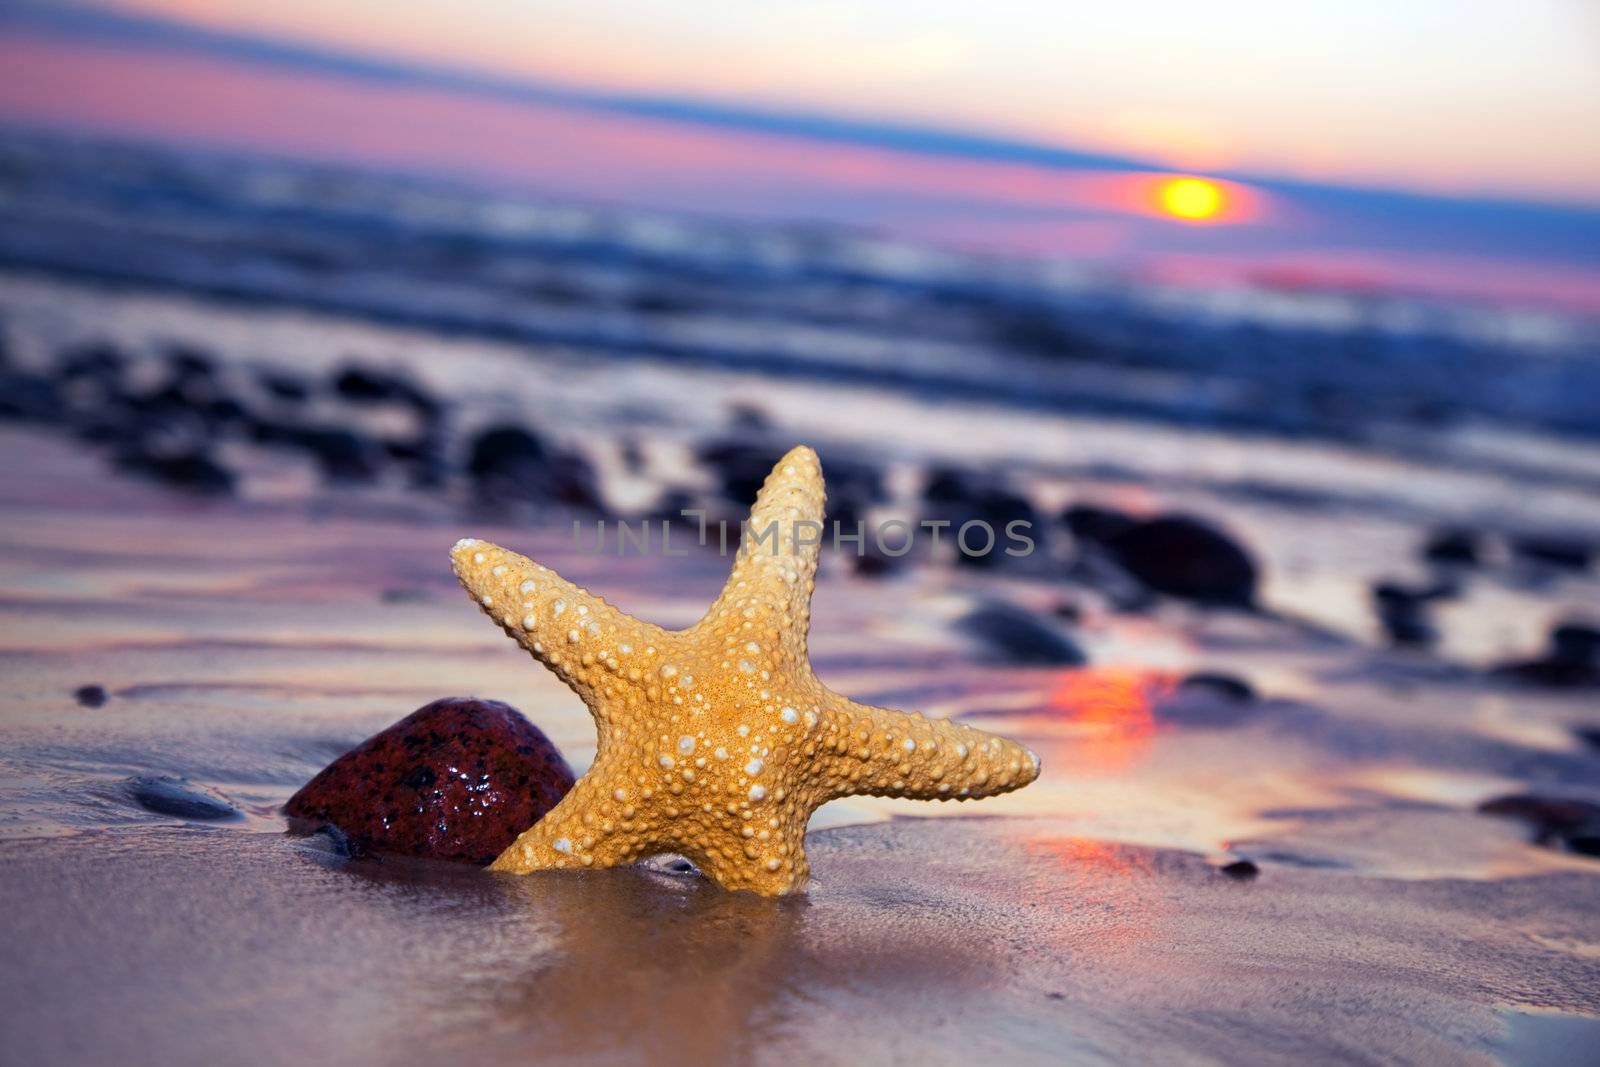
[(717, 742)]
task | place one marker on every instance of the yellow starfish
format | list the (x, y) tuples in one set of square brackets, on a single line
[(717, 742)]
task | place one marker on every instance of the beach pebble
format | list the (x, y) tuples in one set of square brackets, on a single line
[(1403, 613), (187, 361), (1016, 635), (1242, 870), (180, 798), (871, 561), (740, 463), (509, 461), (1091, 522), (960, 497), (90, 696), (1575, 642), (368, 385), (191, 470), (1185, 557), (1216, 683), (28, 397), (1571, 660), (423, 455), (343, 456), (1557, 822), (456, 780), (363, 385), (1207, 701), (330, 842), (284, 386), (1553, 551), (749, 416), (1454, 547), (98, 362)]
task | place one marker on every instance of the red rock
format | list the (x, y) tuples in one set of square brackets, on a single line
[(456, 780)]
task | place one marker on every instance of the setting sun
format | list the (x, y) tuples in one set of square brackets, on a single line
[(1192, 198)]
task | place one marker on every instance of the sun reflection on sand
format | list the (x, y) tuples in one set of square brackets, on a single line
[(1112, 710)]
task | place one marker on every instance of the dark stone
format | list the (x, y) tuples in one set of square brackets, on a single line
[(871, 561), (1069, 611), (1575, 642), (948, 485), (1208, 701), (190, 397), (1546, 814), (363, 386), (192, 471), (333, 842), (1215, 683), (189, 363), (1243, 870), (1090, 522), (1556, 822), (960, 497), (1097, 570), (343, 456), (1403, 611), (1571, 661), (1187, 558), (509, 461), (456, 780), (90, 696), (368, 385), (1549, 673), (749, 417), (742, 462), (97, 360), (1455, 547), (1018, 636), (224, 411), (423, 455), (182, 799), (28, 397), (281, 385), (668, 509), (1560, 553)]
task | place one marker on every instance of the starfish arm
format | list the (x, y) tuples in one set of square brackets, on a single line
[(775, 570), (767, 860), (868, 751), (590, 827), (606, 657)]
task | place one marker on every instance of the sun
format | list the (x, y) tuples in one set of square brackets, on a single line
[(1195, 199)]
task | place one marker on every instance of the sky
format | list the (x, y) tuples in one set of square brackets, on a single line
[(1446, 145)]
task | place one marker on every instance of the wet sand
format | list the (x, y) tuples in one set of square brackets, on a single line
[(941, 941), (244, 643)]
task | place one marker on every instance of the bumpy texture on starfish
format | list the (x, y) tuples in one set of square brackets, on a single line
[(717, 742)]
